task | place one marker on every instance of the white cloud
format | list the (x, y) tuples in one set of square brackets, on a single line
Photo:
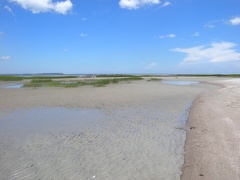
[(196, 34), (84, 19), (37, 6), (210, 25), (167, 3), (216, 52), (235, 21), (167, 36), (5, 58), (9, 9), (134, 4), (83, 35)]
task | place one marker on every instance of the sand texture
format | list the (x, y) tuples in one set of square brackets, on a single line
[(123, 131), (213, 141)]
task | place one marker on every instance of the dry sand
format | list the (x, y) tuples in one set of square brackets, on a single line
[(212, 149), (136, 131)]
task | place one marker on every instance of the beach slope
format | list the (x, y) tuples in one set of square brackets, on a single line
[(212, 149)]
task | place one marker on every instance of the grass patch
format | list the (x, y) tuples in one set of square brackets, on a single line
[(103, 82), (154, 79), (39, 83), (11, 78), (71, 84), (41, 80)]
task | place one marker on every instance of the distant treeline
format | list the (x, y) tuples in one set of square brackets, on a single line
[(115, 75)]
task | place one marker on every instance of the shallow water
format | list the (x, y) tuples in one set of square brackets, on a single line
[(181, 83), (12, 86), (27, 122), (144, 142)]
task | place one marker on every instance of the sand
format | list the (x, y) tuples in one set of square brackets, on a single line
[(131, 130), (212, 149)]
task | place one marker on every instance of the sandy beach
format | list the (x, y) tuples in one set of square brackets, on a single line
[(134, 130), (212, 148)]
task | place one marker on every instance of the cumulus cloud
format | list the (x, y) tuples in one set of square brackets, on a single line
[(5, 58), (235, 21), (215, 52), (38, 6), (211, 24), (135, 4), (167, 36)]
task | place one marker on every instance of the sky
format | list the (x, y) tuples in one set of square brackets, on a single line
[(120, 36)]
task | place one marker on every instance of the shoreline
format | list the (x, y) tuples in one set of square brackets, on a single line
[(212, 139)]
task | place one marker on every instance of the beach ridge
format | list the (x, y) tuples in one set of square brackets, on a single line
[(212, 143)]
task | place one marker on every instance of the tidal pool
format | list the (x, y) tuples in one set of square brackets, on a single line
[(12, 86), (180, 83)]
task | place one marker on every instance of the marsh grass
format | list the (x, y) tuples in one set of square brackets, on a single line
[(41, 80), (71, 84), (11, 78), (104, 82), (154, 79)]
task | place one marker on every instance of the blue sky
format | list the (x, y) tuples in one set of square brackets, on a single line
[(121, 36)]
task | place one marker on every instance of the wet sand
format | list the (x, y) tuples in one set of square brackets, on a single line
[(138, 132), (212, 149)]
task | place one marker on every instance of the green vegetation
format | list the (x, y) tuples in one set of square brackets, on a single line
[(51, 83), (103, 82), (234, 75), (41, 80), (117, 76), (48, 81), (11, 78), (59, 81), (154, 79), (70, 84)]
